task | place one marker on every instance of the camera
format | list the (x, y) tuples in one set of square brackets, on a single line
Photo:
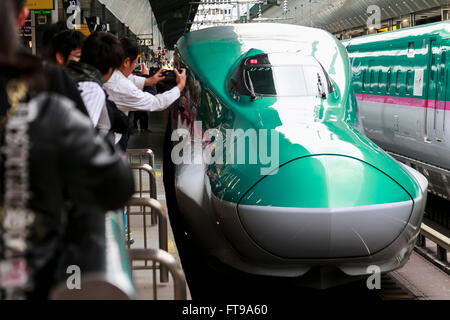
[(169, 82), (170, 77)]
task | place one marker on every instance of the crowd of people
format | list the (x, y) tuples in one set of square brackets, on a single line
[(64, 127)]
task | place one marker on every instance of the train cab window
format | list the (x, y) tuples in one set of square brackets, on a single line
[(388, 81), (281, 75)]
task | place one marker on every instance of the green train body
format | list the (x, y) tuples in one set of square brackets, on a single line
[(331, 199), (401, 81)]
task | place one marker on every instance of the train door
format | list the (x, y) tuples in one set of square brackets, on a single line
[(437, 82)]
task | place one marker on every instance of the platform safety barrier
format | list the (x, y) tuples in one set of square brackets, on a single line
[(442, 242), (102, 261), (145, 163), (166, 261), (145, 156), (162, 228), (145, 168)]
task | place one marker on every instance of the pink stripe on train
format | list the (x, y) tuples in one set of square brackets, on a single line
[(411, 102)]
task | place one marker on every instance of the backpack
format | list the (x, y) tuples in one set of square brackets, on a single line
[(84, 72), (119, 120)]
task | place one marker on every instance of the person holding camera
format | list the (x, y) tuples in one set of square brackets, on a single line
[(126, 90)]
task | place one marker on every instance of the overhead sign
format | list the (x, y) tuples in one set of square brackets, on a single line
[(146, 42), (39, 4)]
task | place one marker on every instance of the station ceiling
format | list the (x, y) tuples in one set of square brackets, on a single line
[(133, 13), (345, 14), (173, 17), (336, 15)]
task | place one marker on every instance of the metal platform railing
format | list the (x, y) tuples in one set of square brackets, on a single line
[(160, 258), (162, 228), (166, 260), (151, 179), (442, 242), (145, 156), (145, 168), (146, 164)]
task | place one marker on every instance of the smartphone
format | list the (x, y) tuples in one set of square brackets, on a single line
[(137, 67)]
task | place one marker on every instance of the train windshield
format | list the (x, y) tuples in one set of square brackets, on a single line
[(282, 75)]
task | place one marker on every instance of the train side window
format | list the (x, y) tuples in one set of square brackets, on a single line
[(443, 58), (364, 80), (388, 81), (411, 51), (433, 63), (380, 74), (408, 82), (372, 83), (397, 82)]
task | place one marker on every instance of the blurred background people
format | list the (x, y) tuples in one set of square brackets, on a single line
[(50, 155)]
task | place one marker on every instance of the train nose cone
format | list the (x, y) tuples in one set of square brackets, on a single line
[(325, 207)]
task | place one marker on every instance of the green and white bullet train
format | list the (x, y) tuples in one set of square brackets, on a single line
[(401, 80), (334, 204)]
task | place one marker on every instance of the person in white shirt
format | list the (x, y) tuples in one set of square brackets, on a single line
[(125, 89), (102, 53)]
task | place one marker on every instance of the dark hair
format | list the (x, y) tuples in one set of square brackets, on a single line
[(19, 4), (103, 51), (51, 31), (65, 42), (131, 48)]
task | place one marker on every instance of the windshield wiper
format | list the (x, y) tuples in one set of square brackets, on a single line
[(252, 89), (320, 87)]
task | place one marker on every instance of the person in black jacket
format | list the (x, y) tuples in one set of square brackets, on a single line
[(49, 155)]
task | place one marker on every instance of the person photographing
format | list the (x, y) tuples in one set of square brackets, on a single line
[(126, 90)]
